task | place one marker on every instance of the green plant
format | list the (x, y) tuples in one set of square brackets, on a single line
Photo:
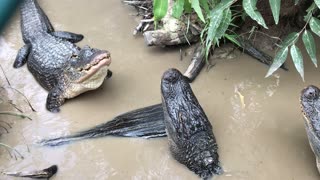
[(217, 18), (292, 38)]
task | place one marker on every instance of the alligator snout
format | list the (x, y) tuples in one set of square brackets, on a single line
[(171, 76), (311, 92), (103, 56)]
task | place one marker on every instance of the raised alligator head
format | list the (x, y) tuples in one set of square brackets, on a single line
[(87, 71), (56, 62), (190, 135), (310, 105)]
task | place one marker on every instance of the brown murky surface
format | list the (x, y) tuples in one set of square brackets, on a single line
[(261, 138)]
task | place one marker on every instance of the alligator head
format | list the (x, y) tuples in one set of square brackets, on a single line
[(87, 71), (191, 139), (310, 105)]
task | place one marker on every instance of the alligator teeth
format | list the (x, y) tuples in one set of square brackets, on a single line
[(87, 67)]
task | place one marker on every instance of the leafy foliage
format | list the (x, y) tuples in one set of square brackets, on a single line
[(217, 17), (310, 45), (178, 8), (307, 39), (280, 58), (275, 8), (250, 7), (297, 59), (196, 6), (160, 8)]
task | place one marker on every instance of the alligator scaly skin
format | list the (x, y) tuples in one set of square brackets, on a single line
[(53, 58), (189, 131), (310, 106)]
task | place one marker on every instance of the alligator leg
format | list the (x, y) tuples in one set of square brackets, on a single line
[(69, 36), (22, 56), (55, 99)]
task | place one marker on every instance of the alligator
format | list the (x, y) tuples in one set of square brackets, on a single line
[(179, 116), (189, 131), (310, 105), (59, 66), (37, 174)]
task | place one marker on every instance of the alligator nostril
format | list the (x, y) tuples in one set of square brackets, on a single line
[(171, 75), (311, 92)]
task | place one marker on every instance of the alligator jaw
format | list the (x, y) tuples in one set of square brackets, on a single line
[(99, 62)]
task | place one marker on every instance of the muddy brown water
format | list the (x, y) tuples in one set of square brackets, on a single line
[(264, 138)]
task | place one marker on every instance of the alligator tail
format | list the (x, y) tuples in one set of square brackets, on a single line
[(144, 122)]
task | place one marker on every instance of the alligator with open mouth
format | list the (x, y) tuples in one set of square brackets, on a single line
[(60, 66)]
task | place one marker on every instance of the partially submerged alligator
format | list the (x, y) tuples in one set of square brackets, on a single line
[(189, 131), (37, 174), (61, 67), (310, 105), (180, 117)]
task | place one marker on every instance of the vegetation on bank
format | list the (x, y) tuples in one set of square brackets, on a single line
[(218, 19), (14, 110)]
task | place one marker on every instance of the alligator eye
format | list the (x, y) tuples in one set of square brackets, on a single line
[(74, 56), (311, 92)]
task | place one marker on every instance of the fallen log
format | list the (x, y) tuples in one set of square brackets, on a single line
[(173, 31)]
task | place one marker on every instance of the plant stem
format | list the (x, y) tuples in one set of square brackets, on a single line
[(14, 114), (9, 147)]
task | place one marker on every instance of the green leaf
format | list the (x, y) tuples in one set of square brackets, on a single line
[(310, 45), (315, 25), (160, 8), (251, 9), (215, 19), (297, 59), (317, 3), (280, 58), (204, 4), (290, 39), (196, 6), (275, 8), (187, 6), (224, 4), (312, 7), (232, 38), (178, 8), (225, 22)]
